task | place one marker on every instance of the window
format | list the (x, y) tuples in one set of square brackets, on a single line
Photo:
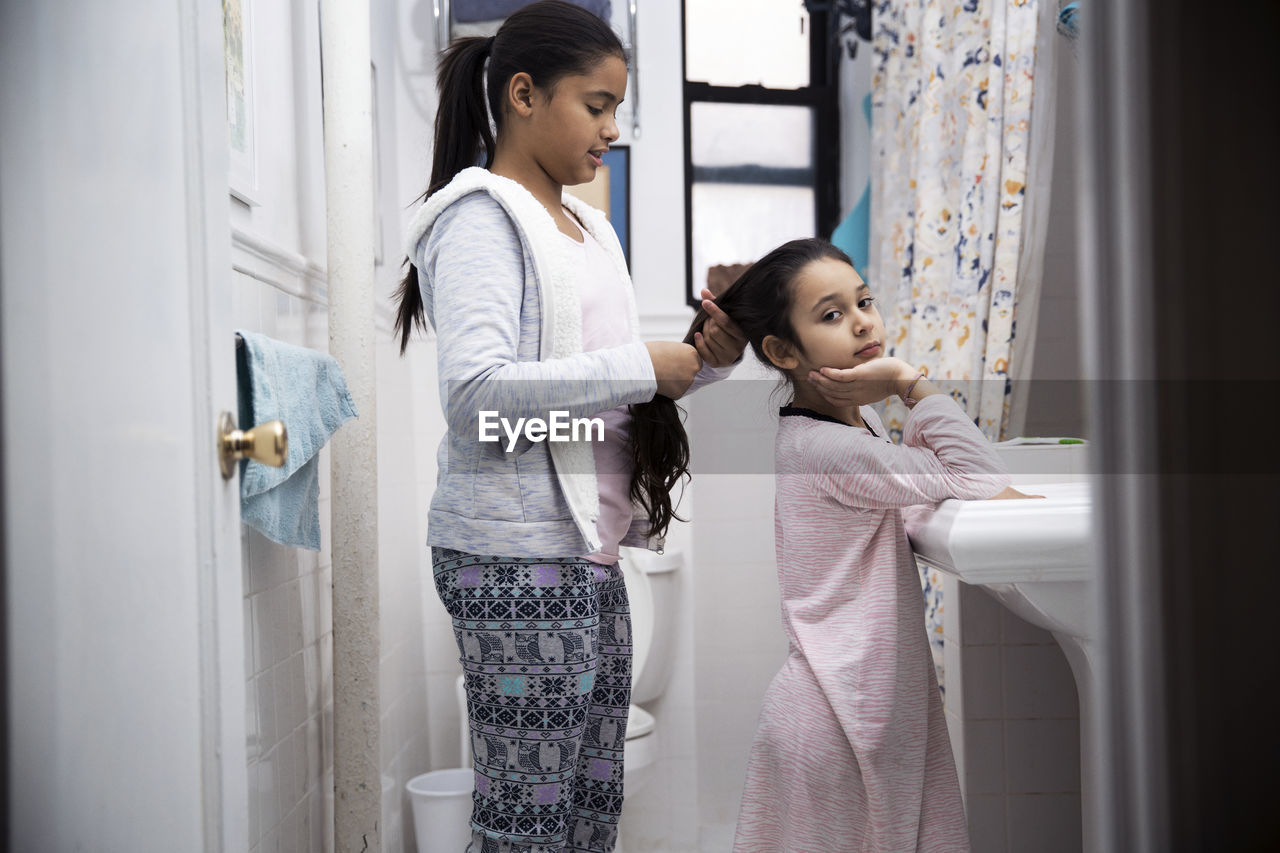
[(759, 95)]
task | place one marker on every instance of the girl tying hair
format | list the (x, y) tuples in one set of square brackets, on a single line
[(851, 752), (531, 303)]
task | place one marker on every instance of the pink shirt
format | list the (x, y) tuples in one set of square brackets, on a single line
[(603, 297)]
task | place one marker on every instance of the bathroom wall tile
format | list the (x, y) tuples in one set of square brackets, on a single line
[(325, 647), (1042, 756), (1045, 823), (265, 692), (299, 763), (983, 694), (679, 731), (302, 827), (275, 563), (325, 597), (268, 603), (263, 634), (683, 808), (984, 757), (388, 746), (725, 745), (309, 600), (440, 649), (752, 628), (282, 764), (250, 648), (730, 497), (309, 607), (293, 622), (740, 540), (285, 837), (986, 814), (312, 747), (268, 796), (955, 734), (270, 841), (717, 836), (283, 603), (446, 722), (979, 618), (253, 738), (280, 702), (645, 811), (308, 561), (1038, 683), (298, 678), (953, 666), (255, 806), (737, 677), (247, 575), (320, 832), (1017, 631)]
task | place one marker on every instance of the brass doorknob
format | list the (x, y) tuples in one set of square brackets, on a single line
[(266, 443)]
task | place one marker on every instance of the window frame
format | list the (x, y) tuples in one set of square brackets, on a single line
[(822, 96)]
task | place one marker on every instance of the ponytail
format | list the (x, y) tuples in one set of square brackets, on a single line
[(659, 459), (462, 124), (462, 129)]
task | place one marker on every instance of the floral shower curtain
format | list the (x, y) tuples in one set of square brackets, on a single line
[(951, 121)]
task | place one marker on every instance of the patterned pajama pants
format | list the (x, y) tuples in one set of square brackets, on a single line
[(545, 649)]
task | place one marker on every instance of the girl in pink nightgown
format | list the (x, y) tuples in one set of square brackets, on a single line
[(851, 752)]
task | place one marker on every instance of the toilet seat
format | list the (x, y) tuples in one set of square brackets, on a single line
[(639, 722)]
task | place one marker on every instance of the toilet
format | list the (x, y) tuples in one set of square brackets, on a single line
[(653, 589), (653, 592)]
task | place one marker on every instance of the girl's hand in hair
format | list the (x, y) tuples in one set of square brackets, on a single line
[(721, 342), (674, 364), (864, 384)]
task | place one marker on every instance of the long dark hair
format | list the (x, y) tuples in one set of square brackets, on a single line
[(547, 40), (759, 301)]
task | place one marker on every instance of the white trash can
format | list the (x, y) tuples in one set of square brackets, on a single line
[(442, 809)]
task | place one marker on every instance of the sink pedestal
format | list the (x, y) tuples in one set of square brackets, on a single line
[(1034, 557), (1060, 607)]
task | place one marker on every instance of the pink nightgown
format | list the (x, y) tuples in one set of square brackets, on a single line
[(851, 752)]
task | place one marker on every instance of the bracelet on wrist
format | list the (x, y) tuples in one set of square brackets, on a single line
[(907, 399)]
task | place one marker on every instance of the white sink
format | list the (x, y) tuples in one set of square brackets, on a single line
[(1036, 557)]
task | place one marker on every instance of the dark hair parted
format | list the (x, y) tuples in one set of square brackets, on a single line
[(547, 40), (759, 301)]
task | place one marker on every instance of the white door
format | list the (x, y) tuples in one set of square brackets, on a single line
[(123, 639)]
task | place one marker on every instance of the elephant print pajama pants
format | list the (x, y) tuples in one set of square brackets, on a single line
[(545, 647)]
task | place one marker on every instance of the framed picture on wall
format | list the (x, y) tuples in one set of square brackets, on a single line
[(237, 34), (611, 192)]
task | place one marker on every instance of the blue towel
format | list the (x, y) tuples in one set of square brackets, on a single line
[(305, 389)]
